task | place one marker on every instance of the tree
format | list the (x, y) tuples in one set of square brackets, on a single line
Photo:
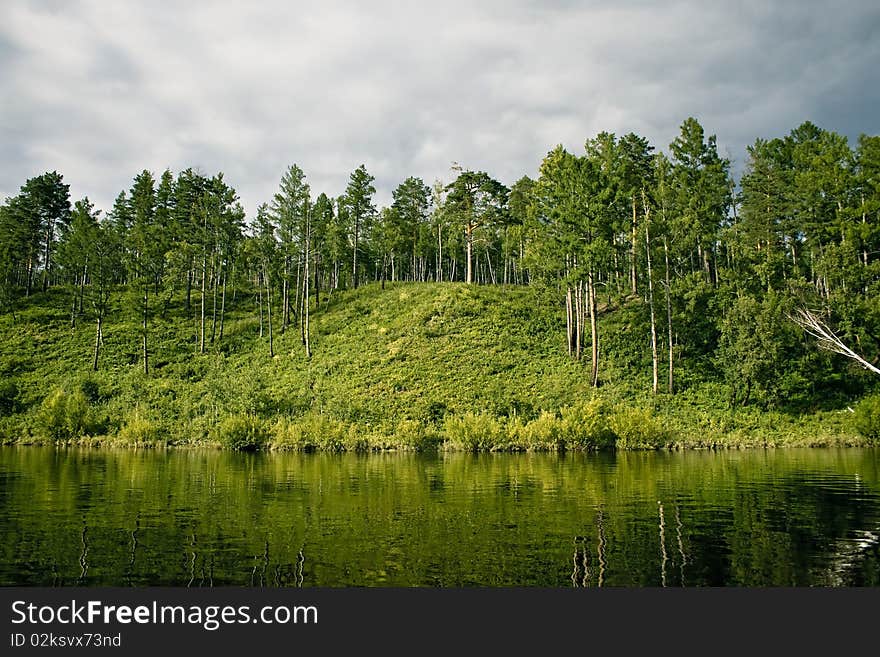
[(521, 205), (104, 259), (49, 197), (33, 221), (75, 250), (702, 194), (476, 200), (289, 208), (412, 199), (19, 246), (322, 219), (358, 201), (267, 250)]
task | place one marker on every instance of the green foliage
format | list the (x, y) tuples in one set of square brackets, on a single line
[(312, 431), (867, 418), (474, 432), (8, 397), (636, 428), (139, 430), (586, 425), (241, 433), (416, 435), (66, 416)]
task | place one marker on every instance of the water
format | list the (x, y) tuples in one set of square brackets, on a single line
[(203, 518)]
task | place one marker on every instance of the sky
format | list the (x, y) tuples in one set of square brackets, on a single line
[(101, 90)]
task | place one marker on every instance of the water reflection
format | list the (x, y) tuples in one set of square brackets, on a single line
[(192, 518)]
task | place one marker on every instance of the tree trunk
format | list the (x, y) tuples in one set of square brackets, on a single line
[(306, 291), (222, 307), (189, 279), (29, 277), (489, 265), (632, 266), (202, 302), (439, 254), (668, 312), (269, 318), (317, 283), (260, 299), (594, 330), (568, 319), (285, 296), (469, 239), (82, 285), (214, 284), (654, 360), (578, 314), (73, 310), (354, 265), (47, 255), (146, 353), (97, 344)]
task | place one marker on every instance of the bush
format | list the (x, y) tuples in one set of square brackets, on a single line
[(867, 418), (473, 432), (8, 398), (636, 428), (241, 433), (139, 430), (89, 388), (544, 432), (312, 431), (64, 416), (414, 435), (587, 425)]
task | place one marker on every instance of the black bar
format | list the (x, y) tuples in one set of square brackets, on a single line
[(408, 621)]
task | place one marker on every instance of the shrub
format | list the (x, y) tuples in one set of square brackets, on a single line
[(636, 428), (139, 430), (414, 435), (241, 433), (89, 388), (8, 397), (473, 432), (867, 418), (587, 425), (64, 416), (311, 431), (544, 432)]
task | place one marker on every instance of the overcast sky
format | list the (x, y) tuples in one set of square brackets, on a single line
[(101, 90)]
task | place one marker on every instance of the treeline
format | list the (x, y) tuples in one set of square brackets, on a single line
[(711, 269)]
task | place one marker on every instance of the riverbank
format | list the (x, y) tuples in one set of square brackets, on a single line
[(411, 367)]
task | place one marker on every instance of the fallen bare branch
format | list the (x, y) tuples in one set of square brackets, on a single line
[(826, 338)]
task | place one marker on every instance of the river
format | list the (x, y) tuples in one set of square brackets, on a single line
[(208, 518)]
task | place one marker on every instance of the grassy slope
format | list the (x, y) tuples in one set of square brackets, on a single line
[(411, 365)]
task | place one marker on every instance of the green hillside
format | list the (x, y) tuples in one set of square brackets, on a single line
[(416, 366)]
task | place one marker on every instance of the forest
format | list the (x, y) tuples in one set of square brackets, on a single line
[(623, 297)]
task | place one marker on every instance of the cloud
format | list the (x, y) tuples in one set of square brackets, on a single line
[(100, 91)]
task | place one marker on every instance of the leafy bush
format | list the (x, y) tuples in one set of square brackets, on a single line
[(867, 418), (544, 432), (636, 428), (8, 397), (312, 431), (415, 435), (139, 430), (472, 432), (64, 416), (587, 425), (241, 433)]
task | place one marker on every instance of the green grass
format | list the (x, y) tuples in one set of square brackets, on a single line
[(414, 366)]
